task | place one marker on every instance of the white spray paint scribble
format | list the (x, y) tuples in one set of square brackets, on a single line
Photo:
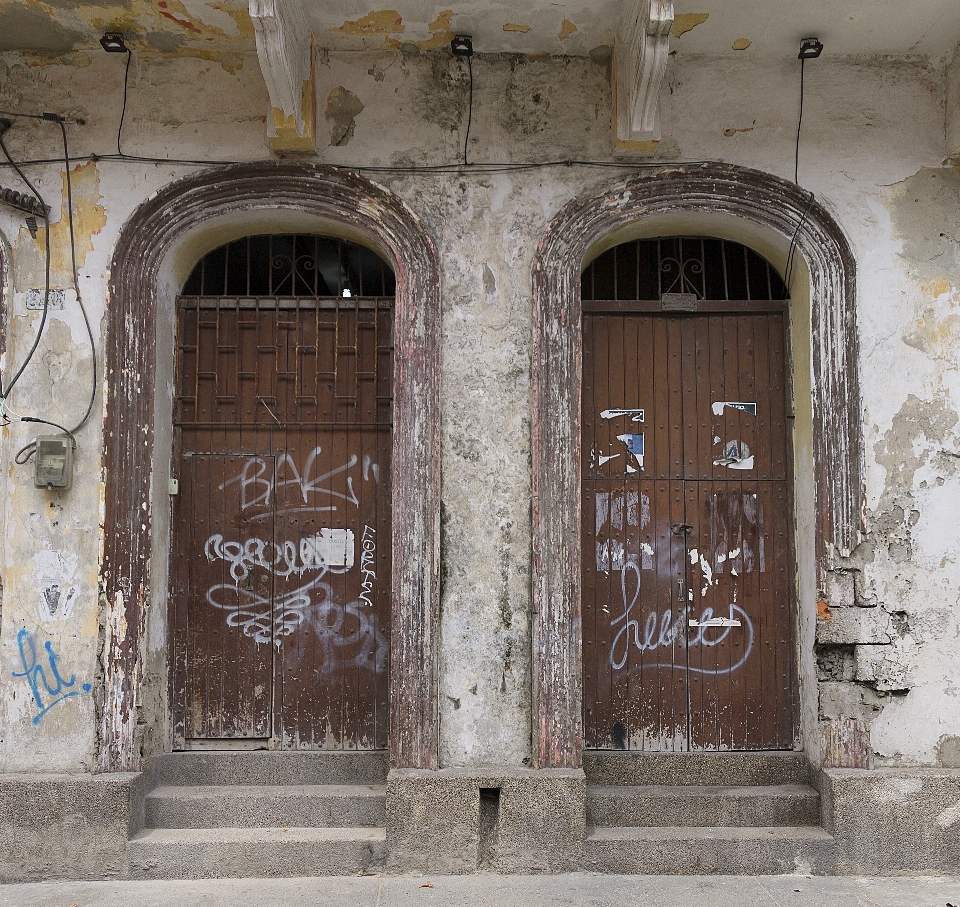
[(368, 572), (665, 630)]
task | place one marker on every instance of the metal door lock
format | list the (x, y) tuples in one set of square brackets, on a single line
[(681, 528)]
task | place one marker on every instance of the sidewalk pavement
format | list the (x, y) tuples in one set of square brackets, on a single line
[(487, 890)]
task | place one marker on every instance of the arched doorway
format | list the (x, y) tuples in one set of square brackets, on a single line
[(773, 216), (281, 525), (688, 614), (155, 253)]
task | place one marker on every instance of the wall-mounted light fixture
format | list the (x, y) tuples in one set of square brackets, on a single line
[(810, 49), (462, 46), (112, 43)]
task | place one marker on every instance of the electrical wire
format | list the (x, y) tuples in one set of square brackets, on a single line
[(27, 451), (440, 169), (123, 111), (466, 138), (796, 158), (76, 283), (24, 454), (794, 242), (5, 391)]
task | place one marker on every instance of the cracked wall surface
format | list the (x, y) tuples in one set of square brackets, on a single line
[(887, 649)]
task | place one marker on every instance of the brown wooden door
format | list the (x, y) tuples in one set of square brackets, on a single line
[(281, 538), (688, 636)]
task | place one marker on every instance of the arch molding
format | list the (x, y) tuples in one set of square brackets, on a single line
[(764, 201), (141, 262)]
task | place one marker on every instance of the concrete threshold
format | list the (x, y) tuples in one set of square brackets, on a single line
[(488, 890)]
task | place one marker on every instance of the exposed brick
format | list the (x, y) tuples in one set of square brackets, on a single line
[(852, 626)]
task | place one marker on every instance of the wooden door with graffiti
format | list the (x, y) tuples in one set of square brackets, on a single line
[(687, 596), (280, 574)]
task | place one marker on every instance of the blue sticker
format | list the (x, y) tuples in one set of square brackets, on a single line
[(634, 444)]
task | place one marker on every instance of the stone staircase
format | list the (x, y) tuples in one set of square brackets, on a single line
[(262, 814), (704, 813)]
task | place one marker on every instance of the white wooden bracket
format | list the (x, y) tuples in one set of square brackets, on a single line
[(642, 49), (283, 46)]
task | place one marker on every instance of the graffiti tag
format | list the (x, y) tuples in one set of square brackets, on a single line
[(664, 631), (45, 681)]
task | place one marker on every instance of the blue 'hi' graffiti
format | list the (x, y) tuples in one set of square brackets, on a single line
[(37, 675)]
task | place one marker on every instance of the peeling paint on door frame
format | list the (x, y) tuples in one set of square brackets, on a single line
[(211, 201), (765, 201)]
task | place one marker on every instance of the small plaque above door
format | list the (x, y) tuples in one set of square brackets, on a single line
[(678, 302)]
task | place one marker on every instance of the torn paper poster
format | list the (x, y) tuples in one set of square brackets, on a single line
[(636, 415), (59, 588), (736, 455), (634, 445), (750, 408), (330, 548), (602, 459), (716, 622)]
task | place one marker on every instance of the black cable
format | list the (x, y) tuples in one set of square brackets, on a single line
[(796, 159), (76, 283), (5, 392), (123, 112), (27, 451), (490, 167), (469, 111), (791, 255)]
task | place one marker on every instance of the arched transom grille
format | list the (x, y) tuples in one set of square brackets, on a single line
[(291, 265), (700, 267)]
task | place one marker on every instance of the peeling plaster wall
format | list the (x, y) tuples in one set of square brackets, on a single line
[(888, 641), (953, 107)]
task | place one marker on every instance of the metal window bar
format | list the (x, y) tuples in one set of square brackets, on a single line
[(290, 265), (684, 264)]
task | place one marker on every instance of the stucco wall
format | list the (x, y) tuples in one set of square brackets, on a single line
[(871, 149)]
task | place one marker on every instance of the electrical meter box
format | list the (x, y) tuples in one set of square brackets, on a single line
[(54, 461)]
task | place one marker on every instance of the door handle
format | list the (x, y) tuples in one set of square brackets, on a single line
[(679, 590), (681, 528)]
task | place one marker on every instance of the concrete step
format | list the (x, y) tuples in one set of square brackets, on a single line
[(685, 805), (196, 768), (263, 806), (709, 851), (206, 853), (698, 768)]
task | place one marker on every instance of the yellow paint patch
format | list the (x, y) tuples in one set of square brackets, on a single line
[(89, 218), (742, 43), (567, 28), (684, 22), (33, 58), (287, 138), (729, 132), (937, 288), (513, 26), (377, 22)]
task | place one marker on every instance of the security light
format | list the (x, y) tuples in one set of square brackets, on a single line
[(112, 43), (462, 46), (810, 49)]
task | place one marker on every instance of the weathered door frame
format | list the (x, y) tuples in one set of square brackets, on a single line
[(754, 208), (156, 249)]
